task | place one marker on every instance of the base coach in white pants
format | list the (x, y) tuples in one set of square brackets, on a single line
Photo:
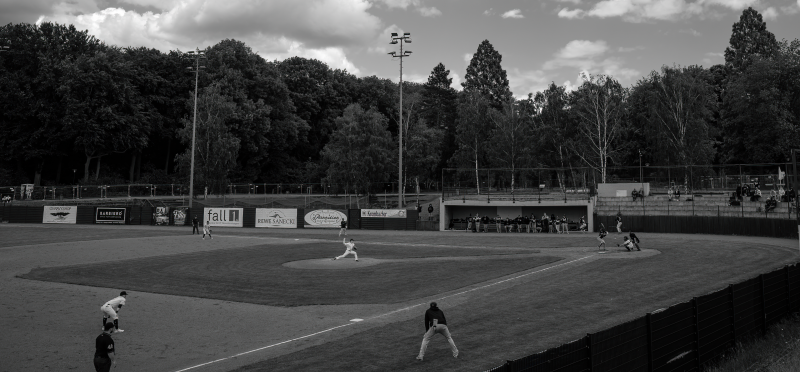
[(435, 323)]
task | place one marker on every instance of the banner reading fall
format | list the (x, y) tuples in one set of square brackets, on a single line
[(228, 217)]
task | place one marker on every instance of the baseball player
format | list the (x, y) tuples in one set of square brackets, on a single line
[(619, 224), (349, 248), (602, 235), (627, 243), (207, 230), (344, 227), (635, 240), (436, 323), (111, 308)]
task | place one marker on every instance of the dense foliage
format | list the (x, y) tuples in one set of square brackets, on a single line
[(125, 115)]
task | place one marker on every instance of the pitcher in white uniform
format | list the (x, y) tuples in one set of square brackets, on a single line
[(350, 248)]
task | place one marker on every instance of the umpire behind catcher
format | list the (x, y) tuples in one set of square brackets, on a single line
[(104, 349), (435, 323)]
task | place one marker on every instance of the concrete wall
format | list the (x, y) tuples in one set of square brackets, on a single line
[(610, 189)]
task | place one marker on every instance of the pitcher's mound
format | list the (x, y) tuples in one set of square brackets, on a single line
[(328, 264)]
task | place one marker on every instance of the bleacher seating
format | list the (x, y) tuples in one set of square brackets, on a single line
[(688, 205)]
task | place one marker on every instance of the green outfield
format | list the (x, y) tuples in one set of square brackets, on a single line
[(258, 299)]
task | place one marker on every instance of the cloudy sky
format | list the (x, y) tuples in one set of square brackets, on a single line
[(540, 41)]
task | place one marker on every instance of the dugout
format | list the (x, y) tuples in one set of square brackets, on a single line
[(464, 208)]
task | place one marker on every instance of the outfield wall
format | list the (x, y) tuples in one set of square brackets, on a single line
[(369, 219)]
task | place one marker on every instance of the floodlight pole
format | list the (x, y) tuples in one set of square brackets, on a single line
[(796, 186), (406, 38), (197, 56)]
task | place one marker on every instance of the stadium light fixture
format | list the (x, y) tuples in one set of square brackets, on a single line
[(406, 38), (199, 59)]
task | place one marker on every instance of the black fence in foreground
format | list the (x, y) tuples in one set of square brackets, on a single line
[(684, 337)]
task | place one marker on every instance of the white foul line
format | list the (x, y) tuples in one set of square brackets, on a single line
[(382, 315)]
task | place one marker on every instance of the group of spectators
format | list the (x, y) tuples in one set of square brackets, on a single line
[(546, 224), (754, 193)]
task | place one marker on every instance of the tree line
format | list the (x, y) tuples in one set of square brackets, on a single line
[(73, 109)]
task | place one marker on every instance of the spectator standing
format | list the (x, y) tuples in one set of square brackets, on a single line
[(104, 349), (435, 322)]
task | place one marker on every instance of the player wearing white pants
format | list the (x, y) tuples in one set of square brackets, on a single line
[(207, 230), (111, 308), (350, 248), (619, 224)]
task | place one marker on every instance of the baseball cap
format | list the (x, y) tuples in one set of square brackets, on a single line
[(123, 293)]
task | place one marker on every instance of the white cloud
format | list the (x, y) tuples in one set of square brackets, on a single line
[(582, 49), (523, 82), (158, 4), (644, 10), (321, 29), (590, 57), (770, 13), (712, 58), (467, 58), (571, 14), (429, 12), (570, 1), (490, 11), (403, 4), (513, 13), (381, 42), (456, 81)]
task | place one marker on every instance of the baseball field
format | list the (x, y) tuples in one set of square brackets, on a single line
[(273, 300)]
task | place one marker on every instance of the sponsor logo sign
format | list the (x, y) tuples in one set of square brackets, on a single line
[(161, 216), (229, 217), (60, 214), (324, 218), (383, 213), (110, 215), (179, 216), (276, 218)]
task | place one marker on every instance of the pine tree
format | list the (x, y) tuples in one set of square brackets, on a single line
[(749, 39), (486, 76)]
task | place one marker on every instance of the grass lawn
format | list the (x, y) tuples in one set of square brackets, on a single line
[(256, 275)]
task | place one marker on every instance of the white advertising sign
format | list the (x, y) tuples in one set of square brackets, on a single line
[(383, 213), (60, 214), (227, 217), (276, 218), (324, 218)]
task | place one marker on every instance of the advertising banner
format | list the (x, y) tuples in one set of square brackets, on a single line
[(226, 217), (324, 218), (109, 215), (276, 218), (179, 216), (161, 216), (383, 213), (60, 214)]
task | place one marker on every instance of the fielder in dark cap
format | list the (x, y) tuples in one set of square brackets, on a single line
[(435, 322)]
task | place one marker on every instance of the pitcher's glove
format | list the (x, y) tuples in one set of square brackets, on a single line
[(355, 249)]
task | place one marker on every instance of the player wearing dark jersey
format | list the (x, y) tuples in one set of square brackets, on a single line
[(603, 234), (104, 349)]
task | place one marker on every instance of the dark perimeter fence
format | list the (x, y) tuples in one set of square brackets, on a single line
[(687, 336)]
